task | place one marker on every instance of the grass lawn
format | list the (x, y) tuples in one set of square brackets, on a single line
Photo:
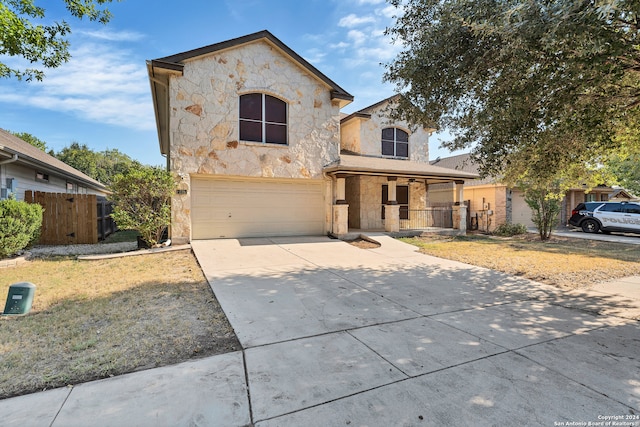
[(96, 319), (563, 262)]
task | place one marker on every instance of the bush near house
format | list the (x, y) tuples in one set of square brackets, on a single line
[(20, 224), (142, 199), (508, 230)]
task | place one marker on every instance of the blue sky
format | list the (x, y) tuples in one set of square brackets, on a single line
[(101, 97)]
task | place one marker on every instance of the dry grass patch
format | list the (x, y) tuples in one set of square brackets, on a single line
[(95, 319), (563, 262)]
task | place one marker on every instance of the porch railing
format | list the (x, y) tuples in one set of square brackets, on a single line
[(440, 217)]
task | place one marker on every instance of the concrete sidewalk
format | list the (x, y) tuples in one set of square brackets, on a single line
[(337, 335)]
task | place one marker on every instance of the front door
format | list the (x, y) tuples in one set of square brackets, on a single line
[(402, 197)]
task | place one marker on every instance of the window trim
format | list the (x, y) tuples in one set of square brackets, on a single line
[(395, 143), (44, 177), (263, 121)]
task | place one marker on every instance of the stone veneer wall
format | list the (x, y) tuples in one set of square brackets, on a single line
[(369, 196), (371, 202), (371, 136), (204, 108)]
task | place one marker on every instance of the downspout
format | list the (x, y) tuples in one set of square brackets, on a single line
[(11, 160)]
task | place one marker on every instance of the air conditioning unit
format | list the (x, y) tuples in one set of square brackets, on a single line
[(4, 193)]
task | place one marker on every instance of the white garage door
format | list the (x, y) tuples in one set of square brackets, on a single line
[(521, 212), (253, 208)]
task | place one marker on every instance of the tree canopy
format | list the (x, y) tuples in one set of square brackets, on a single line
[(99, 165), (31, 139), (537, 88), (25, 32)]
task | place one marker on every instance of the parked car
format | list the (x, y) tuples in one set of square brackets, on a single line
[(592, 217)]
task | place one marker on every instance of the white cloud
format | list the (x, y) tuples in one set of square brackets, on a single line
[(120, 36), (101, 83), (388, 12), (358, 37), (352, 20), (315, 56), (339, 45)]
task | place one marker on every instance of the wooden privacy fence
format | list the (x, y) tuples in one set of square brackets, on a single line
[(106, 224), (67, 218)]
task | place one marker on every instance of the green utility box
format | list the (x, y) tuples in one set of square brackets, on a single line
[(20, 298)]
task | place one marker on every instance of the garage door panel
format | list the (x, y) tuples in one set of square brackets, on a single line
[(245, 208)]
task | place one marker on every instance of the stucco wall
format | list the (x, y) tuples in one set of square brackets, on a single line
[(204, 109), (486, 195), (350, 135), (441, 193), (494, 196)]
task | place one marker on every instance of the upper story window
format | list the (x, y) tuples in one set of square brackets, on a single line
[(263, 118), (395, 143)]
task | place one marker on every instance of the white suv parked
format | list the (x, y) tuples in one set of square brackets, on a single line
[(615, 216)]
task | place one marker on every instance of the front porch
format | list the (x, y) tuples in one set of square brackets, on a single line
[(371, 193)]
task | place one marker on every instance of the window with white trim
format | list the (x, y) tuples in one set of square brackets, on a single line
[(263, 118), (395, 143)]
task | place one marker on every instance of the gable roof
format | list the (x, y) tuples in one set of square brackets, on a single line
[(12, 146), (621, 193), (176, 62), (463, 163), (366, 112), (159, 70)]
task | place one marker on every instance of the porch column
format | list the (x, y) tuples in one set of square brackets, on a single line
[(392, 209), (340, 190), (340, 208), (459, 209), (458, 195)]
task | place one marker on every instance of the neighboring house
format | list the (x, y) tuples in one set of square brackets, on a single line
[(491, 203), (254, 135), (622, 195), (24, 167)]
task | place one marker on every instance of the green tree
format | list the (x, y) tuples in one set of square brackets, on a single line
[(555, 80), (142, 201), (33, 140), (545, 206), (24, 32), (101, 166), (626, 168)]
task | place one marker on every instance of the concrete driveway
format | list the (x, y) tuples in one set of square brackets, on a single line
[(334, 335), (337, 335), (628, 238)]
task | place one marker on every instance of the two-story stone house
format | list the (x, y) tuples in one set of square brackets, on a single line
[(254, 135)]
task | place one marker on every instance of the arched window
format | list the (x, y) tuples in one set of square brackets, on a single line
[(263, 118), (395, 143)]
